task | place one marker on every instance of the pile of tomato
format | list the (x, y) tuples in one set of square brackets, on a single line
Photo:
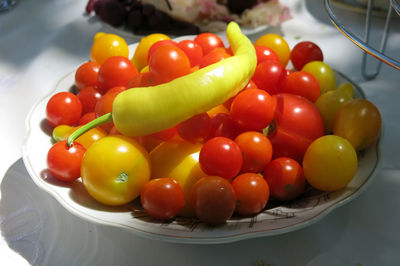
[(291, 127)]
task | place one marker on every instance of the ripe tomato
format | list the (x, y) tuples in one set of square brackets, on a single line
[(115, 169), (162, 198), (269, 75), (106, 45), (105, 103), (192, 50), (213, 199), (222, 125), (303, 84), (265, 53), (156, 45), (278, 44), (88, 97), (86, 118), (252, 193), (63, 108), (256, 150), (285, 178), (90, 136), (330, 163), (305, 52), (86, 75), (195, 129), (115, 71), (221, 157), (214, 56), (166, 134), (252, 109), (359, 121), (63, 162), (169, 62), (208, 41), (323, 73), (297, 123)]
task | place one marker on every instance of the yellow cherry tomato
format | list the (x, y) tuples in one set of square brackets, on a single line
[(358, 121), (114, 170), (323, 73), (61, 132), (106, 45), (330, 163), (89, 137), (278, 44), (178, 160), (140, 55)]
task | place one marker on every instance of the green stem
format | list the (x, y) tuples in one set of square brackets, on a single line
[(92, 124)]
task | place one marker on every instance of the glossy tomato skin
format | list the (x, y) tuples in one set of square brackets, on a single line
[(221, 157), (285, 178), (222, 125), (214, 56), (208, 41), (192, 50), (269, 75), (106, 45), (63, 162), (252, 109), (213, 199), (252, 192), (87, 75), (158, 44), (105, 103), (305, 52), (256, 150), (323, 73), (359, 121), (330, 163), (195, 129), (162, 198), (88, 97), (265, 53), (303, 84), (115, 169), (278, 44), (297, 123), (63, 108), (115, 71)]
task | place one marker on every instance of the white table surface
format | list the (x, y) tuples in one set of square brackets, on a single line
[(41, 40)]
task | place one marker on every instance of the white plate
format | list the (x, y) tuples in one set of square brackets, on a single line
[(276, 219)]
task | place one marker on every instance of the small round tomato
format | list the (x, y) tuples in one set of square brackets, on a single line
[(214, 56), (86, 75), (63, 162), (88, 97), (222, 125), (86, 118), (166, 134), (90, 136), (115, 169), (115, 71), (156, 45), (256, 150), (265, 53), (303, 84), (252, 109), (323, 73), (208, 41), (213, 199), (359, 121), (285, 178), (278, 44), (192, 50), (195, 129), (252, 193), (169, 62), (305, 52), (269, 75), (106, 45), (330, 163), (162, 198), (221, 157), (63, 108), (105, 103), (61, 132)]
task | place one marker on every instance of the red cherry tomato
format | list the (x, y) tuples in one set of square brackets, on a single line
[(222, 125), (256, 150), (86, 118), (158, 44), (115, 71), (305, 52), (269, 75), (192, 50), (297, 123), (196, 128), (252, 192), (166, 134), (303, 84), (213, 199), (88, 97), (208, 41), (162, 198), (221, 157), (105, 103), (63, 162), (214, 56), (285, 178), (265, 53), (63, 108), (86, 75), (169, 62), (252, 109)]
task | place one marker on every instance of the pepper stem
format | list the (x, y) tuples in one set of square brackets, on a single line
[(92, 124)]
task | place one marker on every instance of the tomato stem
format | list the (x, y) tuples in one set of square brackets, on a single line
[(92, 124)]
